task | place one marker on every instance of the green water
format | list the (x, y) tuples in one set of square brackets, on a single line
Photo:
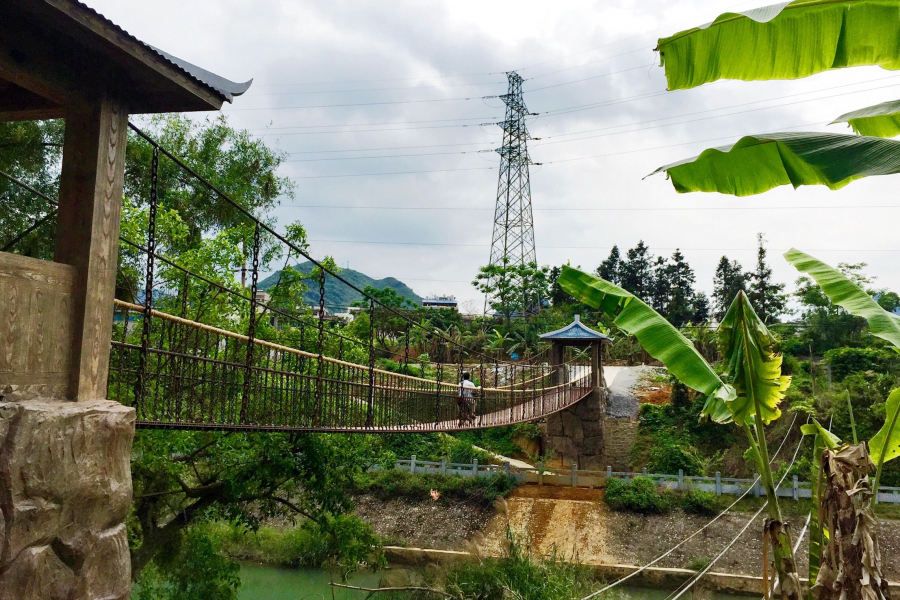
[(271, 583)]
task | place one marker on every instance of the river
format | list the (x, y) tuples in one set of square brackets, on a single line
[(271, 583)]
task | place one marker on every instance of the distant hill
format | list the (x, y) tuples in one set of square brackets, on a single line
[(337, 295)]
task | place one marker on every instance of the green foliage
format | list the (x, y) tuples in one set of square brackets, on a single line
[(518, 574), (752, 366), (432, 447), (784, 42), (30, 151), (514, 289), (844, 292), (658, 337), (698, 563), (668, 456), (640, 495), (192, 569), (392, 483), (727, 282), (698, 502), (845, 361), (756, 164)]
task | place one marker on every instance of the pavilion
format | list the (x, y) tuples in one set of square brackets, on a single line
[(65, 476)]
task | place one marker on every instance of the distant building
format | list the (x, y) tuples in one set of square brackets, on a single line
[(440, 302)]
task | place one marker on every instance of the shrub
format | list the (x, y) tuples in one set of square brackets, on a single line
[(699, 503), (668, 456), (518, 574), (844, 361), (640, 495), (389, 484)]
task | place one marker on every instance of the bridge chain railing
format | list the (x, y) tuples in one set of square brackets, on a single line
[(177, 359)]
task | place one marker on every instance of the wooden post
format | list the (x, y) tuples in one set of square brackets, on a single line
[(90, 199)]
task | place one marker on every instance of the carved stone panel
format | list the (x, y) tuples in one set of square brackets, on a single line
[(35, 327)]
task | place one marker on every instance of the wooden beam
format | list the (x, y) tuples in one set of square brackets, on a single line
[(90, 198)]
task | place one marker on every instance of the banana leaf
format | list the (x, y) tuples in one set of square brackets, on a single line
[(657, 336), (848, 295), (885, 445), (881, 120), (756, 164), (825, 439), (751, 364), (784, 41)]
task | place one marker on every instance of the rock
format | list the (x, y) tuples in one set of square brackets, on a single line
[(65, 490)]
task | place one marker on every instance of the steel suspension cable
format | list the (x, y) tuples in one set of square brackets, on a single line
[(703, 528), (707, 568)]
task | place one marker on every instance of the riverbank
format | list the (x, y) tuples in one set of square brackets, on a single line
[(579, 525)]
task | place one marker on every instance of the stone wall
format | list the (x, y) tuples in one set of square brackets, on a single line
[(619, 435), (65, 490), (576, 433)]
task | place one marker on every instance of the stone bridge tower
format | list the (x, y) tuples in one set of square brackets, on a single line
[(575, 435), (65, 476)]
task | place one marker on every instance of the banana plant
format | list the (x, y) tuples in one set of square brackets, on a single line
[(749, 396), (851, 561)]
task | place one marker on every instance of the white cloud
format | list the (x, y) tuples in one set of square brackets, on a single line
[(281, 42)]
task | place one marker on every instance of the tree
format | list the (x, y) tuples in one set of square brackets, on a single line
[(701, 308), (680, 276), (30, 151), (660, 287), (557, 296), (827, 325), (727, 282), (610, 269), (636, 272), (766, 296), (514, 289)]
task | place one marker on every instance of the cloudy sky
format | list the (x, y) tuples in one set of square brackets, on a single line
[(381, 107)]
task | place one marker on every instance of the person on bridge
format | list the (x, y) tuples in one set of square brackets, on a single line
[(465, 402)]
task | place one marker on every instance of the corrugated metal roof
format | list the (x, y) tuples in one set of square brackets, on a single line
[(225, 88), (575, 331)]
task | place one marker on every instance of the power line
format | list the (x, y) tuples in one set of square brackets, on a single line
[(632, 37), (361, 104), (696, 533), (413, 87), (369, 124), (457, 245), (390, 173), (368, 130), (604, 209), (390, 148), (556, 85)]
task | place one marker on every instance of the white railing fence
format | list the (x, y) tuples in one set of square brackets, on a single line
[(575, 477)]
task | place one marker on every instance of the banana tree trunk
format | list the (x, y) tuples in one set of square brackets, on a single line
[(851, 562), (776, 532)]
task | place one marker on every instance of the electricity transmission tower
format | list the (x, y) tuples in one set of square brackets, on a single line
[(512, 244)]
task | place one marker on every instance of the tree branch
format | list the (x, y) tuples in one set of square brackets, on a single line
[(396, 589)]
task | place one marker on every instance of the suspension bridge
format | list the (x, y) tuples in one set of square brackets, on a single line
[(192, 352)]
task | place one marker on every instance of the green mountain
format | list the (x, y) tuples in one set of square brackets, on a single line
[(339, 296)]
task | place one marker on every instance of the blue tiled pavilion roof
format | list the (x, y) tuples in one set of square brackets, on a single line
[(575, 331)]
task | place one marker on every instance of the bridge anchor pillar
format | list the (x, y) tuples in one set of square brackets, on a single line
[(575, 435)]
